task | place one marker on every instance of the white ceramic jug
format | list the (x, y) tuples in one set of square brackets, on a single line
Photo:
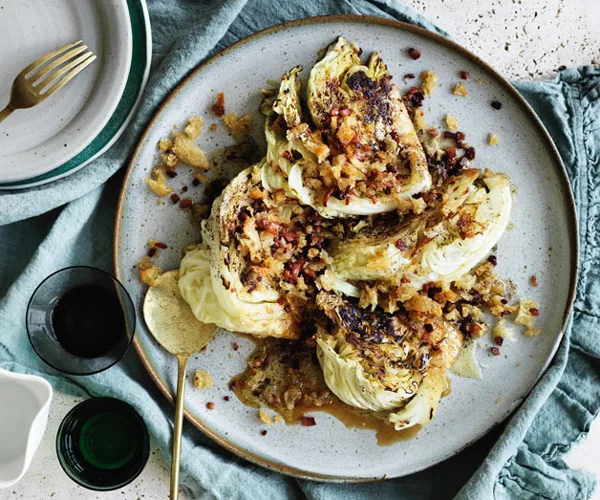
[(24, 404)]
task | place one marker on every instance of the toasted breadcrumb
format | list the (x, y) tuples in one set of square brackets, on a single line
[(418, 119), (149, 273), (189, 152), (430, 82), (170, 159), (451, 122), (493, 139), (524, 315), (265, 418), (158, 181), (202, 379), (278, 419), (201, 177), (423, 304), (503, 330), (238, 126), (532, 332), (165, 144), (460, 90), (194, 127)]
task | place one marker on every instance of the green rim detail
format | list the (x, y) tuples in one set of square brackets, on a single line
[(135, 81)]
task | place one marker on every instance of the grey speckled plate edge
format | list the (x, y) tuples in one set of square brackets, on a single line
[(535, 124)]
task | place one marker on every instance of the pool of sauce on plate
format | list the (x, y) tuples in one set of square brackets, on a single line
[(284, 364)]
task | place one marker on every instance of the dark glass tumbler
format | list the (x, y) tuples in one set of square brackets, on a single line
[(96, 312), (103, 444)]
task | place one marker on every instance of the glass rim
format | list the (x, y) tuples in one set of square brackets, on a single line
[(77, 479), (117, 358)]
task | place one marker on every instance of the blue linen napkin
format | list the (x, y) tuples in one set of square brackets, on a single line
[(522, 459)]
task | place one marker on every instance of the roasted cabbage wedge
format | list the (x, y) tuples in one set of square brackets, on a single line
[(385, 363), (439, 245), (358, 153), (219, 277)]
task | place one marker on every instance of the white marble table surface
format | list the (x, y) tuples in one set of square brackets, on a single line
[(523, 39)]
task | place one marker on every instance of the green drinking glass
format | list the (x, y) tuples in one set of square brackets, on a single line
[(103, 444)]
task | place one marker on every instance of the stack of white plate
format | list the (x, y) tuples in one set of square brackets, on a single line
[(81, 121)]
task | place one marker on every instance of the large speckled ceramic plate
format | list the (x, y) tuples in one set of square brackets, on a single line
[(542, 242)]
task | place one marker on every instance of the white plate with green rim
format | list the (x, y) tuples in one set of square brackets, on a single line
[(542, 242), (133, 68)]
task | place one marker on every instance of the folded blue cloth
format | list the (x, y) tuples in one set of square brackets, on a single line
[(522, 459)]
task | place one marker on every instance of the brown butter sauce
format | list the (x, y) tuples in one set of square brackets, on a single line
[(278, 372)]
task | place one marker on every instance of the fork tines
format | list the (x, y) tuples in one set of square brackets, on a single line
[(50, 72)]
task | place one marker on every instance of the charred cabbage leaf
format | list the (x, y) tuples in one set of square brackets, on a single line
[(359, 153)]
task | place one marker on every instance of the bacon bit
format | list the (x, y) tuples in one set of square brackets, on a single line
[(195, 182), (400, 245), (493, 260), (451, 152), (495, 351), (290, 236), (449, 135), (309, 272), (395, 137), (433, 132), (496, 105), (269, 226), (235, 346), (291, 274), (414, 53), (465, 75), (174, 198), (307, 421), (345, 111), (428, 327), (373, 199), (414, 97), (213, 127), (534, 311), (410, 76), (160, 244), (171, 173), (474, 329), (534, 280), (498, 340), (470, 153), (210, 405), (185, 204), (184, 189), (152, 252), (327, 196), (263, 433), (218, 108), (281, 301), (225, 398)]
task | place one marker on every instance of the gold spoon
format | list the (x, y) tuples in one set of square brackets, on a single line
[(174, 326)]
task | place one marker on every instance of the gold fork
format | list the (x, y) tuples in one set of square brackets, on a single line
[(46, 75)]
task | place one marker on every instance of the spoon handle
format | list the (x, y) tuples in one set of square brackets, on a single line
[(181, 363)]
